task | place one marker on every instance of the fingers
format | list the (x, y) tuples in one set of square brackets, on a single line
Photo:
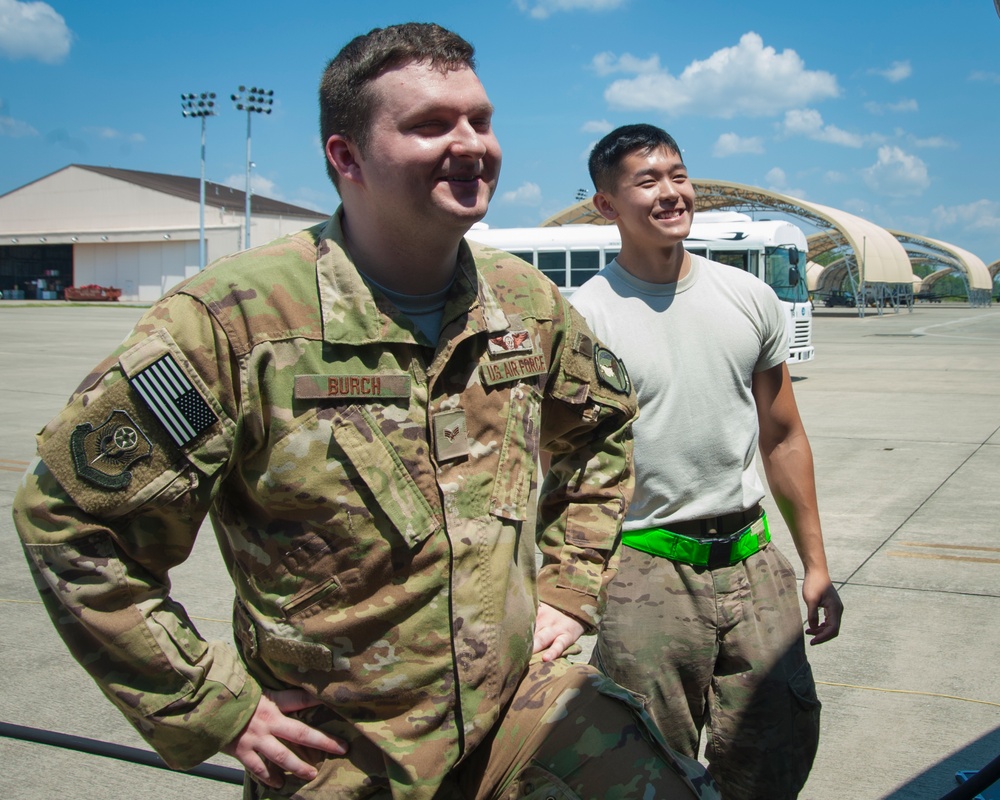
[(549, 645), (261, 747), (829, 627)]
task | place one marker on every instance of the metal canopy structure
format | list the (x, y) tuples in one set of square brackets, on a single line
[(969, 267), (875, 262), (872, 259)]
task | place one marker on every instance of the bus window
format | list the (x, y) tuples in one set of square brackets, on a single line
[(553, 265), (526, 255), (732, 258), (783, 277), (610, 255), (698, 251), (583, 264)]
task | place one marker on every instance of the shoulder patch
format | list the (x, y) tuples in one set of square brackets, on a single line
[(102, 455), (610, 370), (178, 406)]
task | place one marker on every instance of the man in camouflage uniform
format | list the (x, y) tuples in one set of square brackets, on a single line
[(360, 408), (703, 617)]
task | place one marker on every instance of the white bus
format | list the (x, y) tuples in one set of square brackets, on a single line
[(772, 250)]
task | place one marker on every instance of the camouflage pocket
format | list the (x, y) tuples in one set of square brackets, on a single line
[(378, 464), (516, 468), (537, 783)]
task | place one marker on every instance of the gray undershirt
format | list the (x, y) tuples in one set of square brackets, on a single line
[(426, 310)]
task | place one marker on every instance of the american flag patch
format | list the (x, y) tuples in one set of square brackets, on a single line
[(173, 400)]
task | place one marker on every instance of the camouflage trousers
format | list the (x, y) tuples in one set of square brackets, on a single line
[(720, 647), (568, 734)]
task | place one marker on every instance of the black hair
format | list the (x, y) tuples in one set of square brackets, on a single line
[(607, 156)]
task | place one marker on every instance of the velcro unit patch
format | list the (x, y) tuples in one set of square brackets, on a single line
[(169, 394)]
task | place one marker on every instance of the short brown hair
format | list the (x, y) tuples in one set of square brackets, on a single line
[(346, 100)]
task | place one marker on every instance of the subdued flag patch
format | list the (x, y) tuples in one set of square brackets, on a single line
[(173, 400)]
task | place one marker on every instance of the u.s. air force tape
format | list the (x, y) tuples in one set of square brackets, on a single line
[(610, 370)]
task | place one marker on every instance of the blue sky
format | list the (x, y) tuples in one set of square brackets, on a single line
[(886, 108)]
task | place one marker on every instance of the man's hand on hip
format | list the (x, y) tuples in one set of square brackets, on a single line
[(260, 745)]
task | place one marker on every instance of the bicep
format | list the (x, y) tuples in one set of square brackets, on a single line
[(777, 412)]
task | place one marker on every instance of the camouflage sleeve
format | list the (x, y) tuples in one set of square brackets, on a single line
[(587, 427), (124, 479)]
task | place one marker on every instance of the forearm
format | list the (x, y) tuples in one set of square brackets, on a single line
[(788, 466), (185, 696)]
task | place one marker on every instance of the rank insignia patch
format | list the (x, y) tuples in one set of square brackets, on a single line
[(610, 370), (173, 400), (450, 438), (102, 456)]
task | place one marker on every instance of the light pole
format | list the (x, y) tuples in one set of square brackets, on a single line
[(256, 101), (203, 106)]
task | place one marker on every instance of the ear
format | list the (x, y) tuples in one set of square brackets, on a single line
[(604, 206), (345, 158)]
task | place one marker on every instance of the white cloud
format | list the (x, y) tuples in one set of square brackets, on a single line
[(776, 176), (541, 9), (934, 142), (600, 126), (808, 122), (14, 127), (259, 185), (527, 194), (731, 144), (903, 106), (896, 173), (746, 80), (608, 63), (115, 135), (989, 77), (777, 181), (33, 30), (896, 72), (980, 215)]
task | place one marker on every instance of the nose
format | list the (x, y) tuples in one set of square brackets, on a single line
[(668, 190), (468, 141)]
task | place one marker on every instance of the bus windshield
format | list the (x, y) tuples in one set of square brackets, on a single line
[(787, 280)]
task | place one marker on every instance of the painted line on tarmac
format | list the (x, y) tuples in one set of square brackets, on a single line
[(924, 331), (945, 557), (15, 466), (950, 546)]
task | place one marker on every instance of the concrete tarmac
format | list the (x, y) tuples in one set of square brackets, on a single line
[(903, 415)]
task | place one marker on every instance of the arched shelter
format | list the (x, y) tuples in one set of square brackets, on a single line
[(876, 263), (970, 267)]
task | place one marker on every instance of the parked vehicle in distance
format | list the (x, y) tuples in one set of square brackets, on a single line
[(772, 250), (839, 298)]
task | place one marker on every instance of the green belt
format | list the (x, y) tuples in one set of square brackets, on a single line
[(712, 553)]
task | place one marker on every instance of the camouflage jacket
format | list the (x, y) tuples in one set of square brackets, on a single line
[(374, 496)]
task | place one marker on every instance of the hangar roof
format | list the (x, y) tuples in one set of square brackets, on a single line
[(216, 194)]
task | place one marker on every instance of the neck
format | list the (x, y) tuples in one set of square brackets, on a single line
[(655, 265), (405, 264)]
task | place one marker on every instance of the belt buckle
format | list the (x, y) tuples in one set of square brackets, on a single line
[(720, 553)]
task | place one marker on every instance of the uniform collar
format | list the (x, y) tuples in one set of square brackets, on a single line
[(355, 313)]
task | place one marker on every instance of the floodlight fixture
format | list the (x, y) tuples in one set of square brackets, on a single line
[(200, 106), (254, 100)]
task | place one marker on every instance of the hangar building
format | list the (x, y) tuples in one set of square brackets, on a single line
[(135, 231)]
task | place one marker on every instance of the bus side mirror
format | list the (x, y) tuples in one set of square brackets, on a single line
[(793, 257), (793, 276)]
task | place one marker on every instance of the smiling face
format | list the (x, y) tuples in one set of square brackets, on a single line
[(432, 160), (652, 200)]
